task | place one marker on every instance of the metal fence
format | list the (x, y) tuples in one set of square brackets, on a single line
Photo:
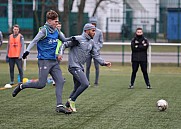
[(117, 30), (121, 56), (120, 25)]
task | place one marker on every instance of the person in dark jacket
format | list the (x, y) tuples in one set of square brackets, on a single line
[(139, 46)]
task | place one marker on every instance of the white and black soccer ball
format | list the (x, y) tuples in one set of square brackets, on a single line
[(162, 105)]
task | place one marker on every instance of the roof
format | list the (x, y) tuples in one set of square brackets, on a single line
[(135, 5)]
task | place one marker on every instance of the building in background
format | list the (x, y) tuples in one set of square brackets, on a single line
[(170, 19), (118, 20)]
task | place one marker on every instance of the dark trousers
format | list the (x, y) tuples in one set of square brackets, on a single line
[(135, 66), (19, 64)]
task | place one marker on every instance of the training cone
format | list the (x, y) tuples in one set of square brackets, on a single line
[(7, 86)]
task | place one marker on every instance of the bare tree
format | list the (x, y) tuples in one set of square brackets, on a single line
[(42, 11), (68, 4), (39, 17), (81, 7), (65, 17), (98, 2)]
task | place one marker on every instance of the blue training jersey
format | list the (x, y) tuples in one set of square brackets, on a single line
[(47, 46)]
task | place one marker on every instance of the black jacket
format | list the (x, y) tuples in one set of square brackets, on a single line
[(139, 46)]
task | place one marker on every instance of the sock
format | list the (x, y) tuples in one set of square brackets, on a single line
[(60, 105)]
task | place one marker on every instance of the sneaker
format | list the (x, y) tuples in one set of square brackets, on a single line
[(95, 84), (53, 83), (11, 83), (72, 105), (63, 110), (148, 87), (64, 80), (130, 87), (17, 90)]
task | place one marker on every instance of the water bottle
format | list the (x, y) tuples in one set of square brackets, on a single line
[(49, 80), (19, 80)]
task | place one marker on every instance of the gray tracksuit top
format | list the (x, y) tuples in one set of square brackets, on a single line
[(78, 54), (98, 39)]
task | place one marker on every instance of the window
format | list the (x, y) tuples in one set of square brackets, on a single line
[(115, 15), (22, 9), (4, 11)]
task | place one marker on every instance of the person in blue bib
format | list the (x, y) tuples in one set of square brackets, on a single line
[(48, 61)]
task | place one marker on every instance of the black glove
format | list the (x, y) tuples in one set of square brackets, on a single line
[(7, 59), (75, 41), (25, 54), (73, 38)]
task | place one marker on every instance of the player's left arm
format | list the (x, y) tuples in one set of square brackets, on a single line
[(96, 55), (61, 36)]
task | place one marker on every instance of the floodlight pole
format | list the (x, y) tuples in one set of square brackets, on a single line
[(178, 47)]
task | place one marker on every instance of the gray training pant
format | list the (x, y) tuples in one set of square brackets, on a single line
[(46, 67), (80, 82), (88, 65)]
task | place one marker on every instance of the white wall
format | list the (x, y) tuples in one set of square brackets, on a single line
[(107, 9), (152, 11)]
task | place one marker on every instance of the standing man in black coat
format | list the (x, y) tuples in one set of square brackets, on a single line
[(139, 46)]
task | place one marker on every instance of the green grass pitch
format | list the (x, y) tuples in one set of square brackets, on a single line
[(111, 105)]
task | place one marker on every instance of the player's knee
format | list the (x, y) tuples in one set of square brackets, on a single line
[(144, 71), (134, 72), (61, 81), (85, 84)]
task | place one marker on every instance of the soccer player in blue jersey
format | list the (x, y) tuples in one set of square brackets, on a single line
[(48, 61)]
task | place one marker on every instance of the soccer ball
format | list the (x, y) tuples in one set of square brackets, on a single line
[(162, 105)]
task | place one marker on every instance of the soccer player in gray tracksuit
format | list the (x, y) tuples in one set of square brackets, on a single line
[(47, 40), (78, 54), (98, 39)]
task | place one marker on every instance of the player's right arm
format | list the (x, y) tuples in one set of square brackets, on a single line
[(41, 34), (135, 45)]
